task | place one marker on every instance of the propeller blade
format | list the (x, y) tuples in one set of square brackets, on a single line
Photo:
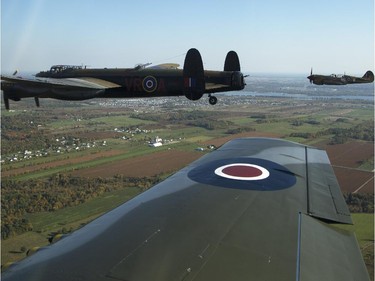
[(310, 77), (6, 101)]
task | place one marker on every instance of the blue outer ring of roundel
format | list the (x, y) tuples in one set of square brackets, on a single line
[(280, 177), (149, 84)]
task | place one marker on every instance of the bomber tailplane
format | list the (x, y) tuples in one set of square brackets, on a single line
[(193, 73)]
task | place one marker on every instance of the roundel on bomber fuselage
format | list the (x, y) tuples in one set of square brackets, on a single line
[(149, 84), (244, 173)]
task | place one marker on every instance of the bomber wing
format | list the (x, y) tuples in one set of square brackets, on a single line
[(255, 209), (215, 87), (67, 83), (15, 88)]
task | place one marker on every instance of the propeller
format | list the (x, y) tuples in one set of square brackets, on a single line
[(310, 77)]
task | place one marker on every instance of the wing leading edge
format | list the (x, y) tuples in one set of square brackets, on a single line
[(249, 210)]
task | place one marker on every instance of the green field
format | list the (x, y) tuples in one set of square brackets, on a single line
[(363, 227), (51, 221), (67, 219)]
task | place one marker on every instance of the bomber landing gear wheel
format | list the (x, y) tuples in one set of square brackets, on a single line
[(212, 100)]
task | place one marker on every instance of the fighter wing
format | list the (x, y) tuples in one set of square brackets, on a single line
[(255, 209), (64, 88)]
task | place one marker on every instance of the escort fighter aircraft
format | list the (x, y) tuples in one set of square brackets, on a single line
[(66, 82), (335, 79), (255, 209)]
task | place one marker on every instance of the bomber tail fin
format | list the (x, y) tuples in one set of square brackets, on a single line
[(369, 76), (232, 62), (193, 73)]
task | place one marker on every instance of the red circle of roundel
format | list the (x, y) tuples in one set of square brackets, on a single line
[(242, 171)]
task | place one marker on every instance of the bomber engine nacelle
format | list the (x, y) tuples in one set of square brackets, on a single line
[(238, 81), (193, 75)]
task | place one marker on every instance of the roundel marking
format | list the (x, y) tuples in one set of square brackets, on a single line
[(149, 84), (242, 171), (245, 173)]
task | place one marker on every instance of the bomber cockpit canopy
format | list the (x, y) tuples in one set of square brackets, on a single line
[(60, 68), (55, 70)]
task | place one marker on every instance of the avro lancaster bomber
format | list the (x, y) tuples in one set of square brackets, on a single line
[(66, 82)]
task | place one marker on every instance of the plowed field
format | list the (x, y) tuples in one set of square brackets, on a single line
[(147, 165)]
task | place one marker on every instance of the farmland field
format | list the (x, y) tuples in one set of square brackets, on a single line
[(96, 141)]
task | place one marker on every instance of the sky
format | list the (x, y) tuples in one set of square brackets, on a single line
[(270, 36)]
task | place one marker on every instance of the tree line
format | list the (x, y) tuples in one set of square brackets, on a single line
[(198, 118), (360, 202), (364, 131), (59, 191)]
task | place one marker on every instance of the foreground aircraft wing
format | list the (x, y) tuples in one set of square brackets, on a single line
[(255, 209)]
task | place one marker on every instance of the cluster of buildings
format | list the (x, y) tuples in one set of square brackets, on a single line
[(132, 132), (156, 142), (60, 145)]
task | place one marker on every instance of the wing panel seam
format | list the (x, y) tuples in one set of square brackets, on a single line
[(307, 181), (298, 265)]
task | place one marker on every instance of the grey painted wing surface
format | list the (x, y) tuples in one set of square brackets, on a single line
[(241, 212)]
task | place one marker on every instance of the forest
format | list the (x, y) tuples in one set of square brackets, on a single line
[(360, 202), (363, 131), (56, 192), (205, 119)]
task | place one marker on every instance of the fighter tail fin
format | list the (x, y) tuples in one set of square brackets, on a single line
[(232, 62), (369, 76), (193, 73)]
